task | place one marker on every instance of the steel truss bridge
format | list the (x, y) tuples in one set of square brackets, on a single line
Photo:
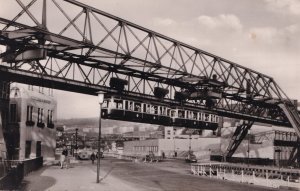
[(67, 45)]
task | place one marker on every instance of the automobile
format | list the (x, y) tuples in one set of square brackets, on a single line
[(84, 155), (191, 158)]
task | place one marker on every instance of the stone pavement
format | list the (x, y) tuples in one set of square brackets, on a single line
[(78, 177)]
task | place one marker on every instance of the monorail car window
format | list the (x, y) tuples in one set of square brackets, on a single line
[(118, 104), (137, 107), (156, 110), (206, 117), (111, 103), (195, 115), (126, 106), (213, 118), (187, 114), (173, 112), (180, 114), (199, 116), (144, 106), (164, 111), (160, 110), (168, 111), (148, 108), (105, 104), (152, 109)]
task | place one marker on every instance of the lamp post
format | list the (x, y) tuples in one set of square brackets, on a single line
[(190, 143), (100, 100), (248, 151), (76, 145)]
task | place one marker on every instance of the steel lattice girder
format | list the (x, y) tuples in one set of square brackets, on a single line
[(92, 46)]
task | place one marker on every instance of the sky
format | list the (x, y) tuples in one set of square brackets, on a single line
[(263, 35)]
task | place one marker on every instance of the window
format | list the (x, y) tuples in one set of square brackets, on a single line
[(39, 113), (13, 112), (169, 132), (105, 104), (38, 149), (27, 149), (29, 113), (40, 118), (42, 115), (50, 117)]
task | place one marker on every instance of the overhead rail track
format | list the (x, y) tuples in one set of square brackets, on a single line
[(79, 48)]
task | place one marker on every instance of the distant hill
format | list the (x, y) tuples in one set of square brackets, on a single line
[(94, 122)]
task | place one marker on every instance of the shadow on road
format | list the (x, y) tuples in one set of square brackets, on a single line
[(36, 182)]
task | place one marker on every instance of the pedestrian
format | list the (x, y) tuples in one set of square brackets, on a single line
[(63, 156), (163, 155), (93, 157)]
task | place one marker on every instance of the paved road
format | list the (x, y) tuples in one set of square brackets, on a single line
[(120, 175), (170, 176)]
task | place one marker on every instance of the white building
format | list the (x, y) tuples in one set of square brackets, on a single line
[(202, 148), (32, 114)]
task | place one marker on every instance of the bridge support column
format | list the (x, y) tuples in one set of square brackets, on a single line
[(237, 137), (4, 105)]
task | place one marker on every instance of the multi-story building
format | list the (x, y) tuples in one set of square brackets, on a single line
[(276, 146), (32, 113)]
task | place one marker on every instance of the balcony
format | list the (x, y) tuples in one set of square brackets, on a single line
[(41, 125), (30, 123), (50, 125)]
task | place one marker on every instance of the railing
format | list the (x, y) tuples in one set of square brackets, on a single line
[(264, 176), (13, 171)]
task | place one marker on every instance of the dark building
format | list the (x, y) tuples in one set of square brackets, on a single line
[(5, 146)]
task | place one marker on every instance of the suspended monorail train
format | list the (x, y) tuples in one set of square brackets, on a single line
[(137, 111)]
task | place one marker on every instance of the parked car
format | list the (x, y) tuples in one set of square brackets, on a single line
[(84, 155), (191, 158)]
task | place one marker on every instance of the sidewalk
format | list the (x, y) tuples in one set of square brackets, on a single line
[(79, 177)]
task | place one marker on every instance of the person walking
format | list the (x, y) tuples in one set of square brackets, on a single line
[(63, 156), (93, 157)]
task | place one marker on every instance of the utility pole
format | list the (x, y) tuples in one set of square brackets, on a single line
[(76, 136), (100, 100)]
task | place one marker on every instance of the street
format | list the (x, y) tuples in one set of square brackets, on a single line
[(172, 175)]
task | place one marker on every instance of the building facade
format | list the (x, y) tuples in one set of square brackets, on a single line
[(271, 143), (32, 114), (202, 147)]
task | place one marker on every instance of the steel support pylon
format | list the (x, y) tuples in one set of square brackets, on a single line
[(237, 137)]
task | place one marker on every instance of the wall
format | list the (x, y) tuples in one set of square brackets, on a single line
[(202, 147), (261, 147), (130, 147), (46, 135)]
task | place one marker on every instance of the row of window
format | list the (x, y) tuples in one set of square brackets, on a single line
[(283, 153), (146, 148), (38, 151), (30, 113), (285, 136), (40, 116), (159, 110)]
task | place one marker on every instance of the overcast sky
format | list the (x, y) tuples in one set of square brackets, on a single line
[(260, 34)]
